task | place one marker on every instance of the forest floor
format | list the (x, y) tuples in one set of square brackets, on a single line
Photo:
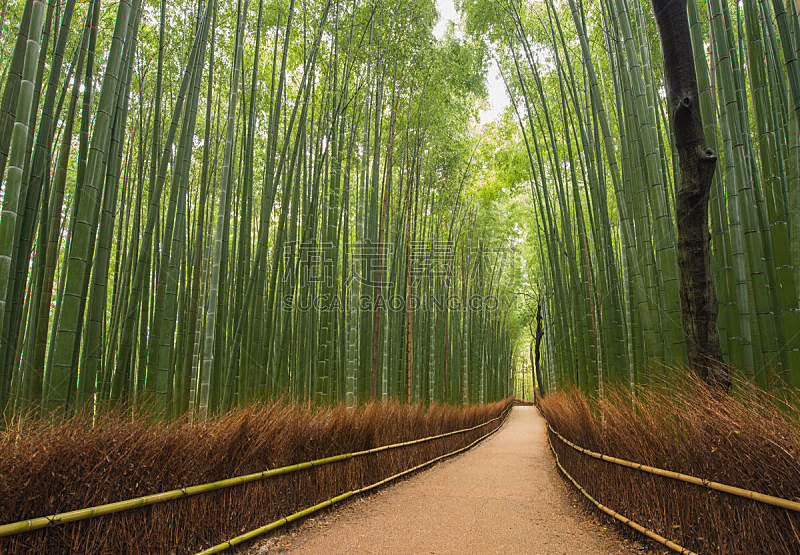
[(503, 496)]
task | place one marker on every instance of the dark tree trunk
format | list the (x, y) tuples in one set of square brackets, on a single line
[(533, 370), (538, 337), (697, 163)]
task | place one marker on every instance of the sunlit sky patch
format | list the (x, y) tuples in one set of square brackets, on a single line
[(498, 99)]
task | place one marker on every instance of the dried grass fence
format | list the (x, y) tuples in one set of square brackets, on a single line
[(749, 440), (46, 468)]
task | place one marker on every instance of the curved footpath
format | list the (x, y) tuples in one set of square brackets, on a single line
[(503, 496)]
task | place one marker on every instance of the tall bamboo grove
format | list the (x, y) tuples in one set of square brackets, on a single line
[(209, 204), (587, 87)]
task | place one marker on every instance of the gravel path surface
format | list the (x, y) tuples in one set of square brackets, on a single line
[(503, 496)]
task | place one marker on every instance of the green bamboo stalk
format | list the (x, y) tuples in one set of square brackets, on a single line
[(14, 172)]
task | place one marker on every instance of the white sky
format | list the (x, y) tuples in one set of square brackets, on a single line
[(498, 99)]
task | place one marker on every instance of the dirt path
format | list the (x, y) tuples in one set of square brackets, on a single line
[(503, 496)]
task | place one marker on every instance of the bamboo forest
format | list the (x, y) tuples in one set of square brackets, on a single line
[(293, 229)]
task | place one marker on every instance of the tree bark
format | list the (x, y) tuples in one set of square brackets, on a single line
[(538, 349), (697, 162)]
